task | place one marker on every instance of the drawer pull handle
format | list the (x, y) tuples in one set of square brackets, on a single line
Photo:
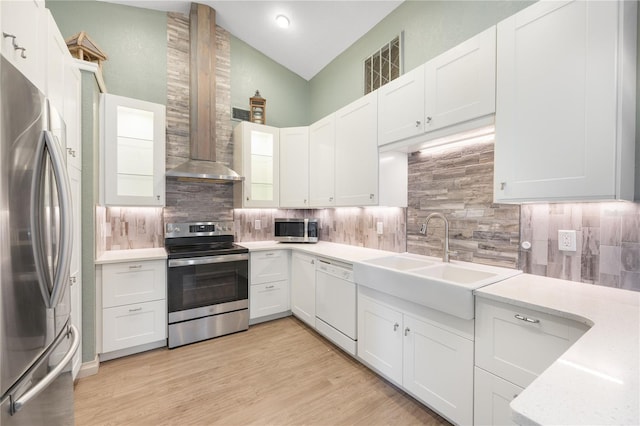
[(395, 326), (270, 286), (135, 266), (406, 331), (269, 254), (526, 319), (135, 309)]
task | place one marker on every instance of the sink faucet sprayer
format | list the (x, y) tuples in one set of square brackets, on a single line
[(423, 230)]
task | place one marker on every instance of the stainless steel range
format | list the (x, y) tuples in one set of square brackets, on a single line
[(207, 282)]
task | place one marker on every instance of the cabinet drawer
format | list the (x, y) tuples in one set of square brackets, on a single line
[(492, 396), (517, 344), (269, 266), (269, 298), (133, 282), (133, 325)]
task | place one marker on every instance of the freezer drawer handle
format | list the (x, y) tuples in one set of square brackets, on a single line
[(51, 376)]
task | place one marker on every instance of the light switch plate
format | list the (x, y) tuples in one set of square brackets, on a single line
[(379, 228), (567, 240), (257, 225)]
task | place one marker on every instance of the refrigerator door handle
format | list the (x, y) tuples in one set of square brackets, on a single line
[(19, 403), (52, 294), (61, 278)]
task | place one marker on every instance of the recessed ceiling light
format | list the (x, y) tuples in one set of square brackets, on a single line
[(282, 21)]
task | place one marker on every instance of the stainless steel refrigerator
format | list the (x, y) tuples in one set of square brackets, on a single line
[(37, 340)]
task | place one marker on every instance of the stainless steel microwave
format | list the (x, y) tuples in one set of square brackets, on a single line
[(293, 230)]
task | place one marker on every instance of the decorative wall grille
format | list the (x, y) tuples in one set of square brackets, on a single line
[(383, 66)]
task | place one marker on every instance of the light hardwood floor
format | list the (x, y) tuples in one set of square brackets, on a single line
[(276, 373)]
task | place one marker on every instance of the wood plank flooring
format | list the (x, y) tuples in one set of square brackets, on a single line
[(276, 373)]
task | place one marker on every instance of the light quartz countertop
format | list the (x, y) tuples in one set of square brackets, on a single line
[(597, 380), (340, 252), (133, 255)]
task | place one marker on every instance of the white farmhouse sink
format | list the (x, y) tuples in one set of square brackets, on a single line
[(447, 287), (402, 262)]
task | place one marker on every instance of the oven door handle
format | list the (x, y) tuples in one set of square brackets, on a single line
[(204, 260)]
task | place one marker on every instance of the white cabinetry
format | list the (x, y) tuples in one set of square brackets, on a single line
[(256, 157), (22, 35), (75, 271), (460, 84), (566, 127), (303, 287), (451, 93), (134, 307), (132, 152), (419, 354), (294, 167), (322, 142), (492, 396), (269, 291), (356, 153), (513, 346), (401, 107), (56, 57)]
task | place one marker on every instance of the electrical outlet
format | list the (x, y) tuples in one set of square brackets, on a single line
[(567, 240), (379, 228), (257, 225), (423, 228)]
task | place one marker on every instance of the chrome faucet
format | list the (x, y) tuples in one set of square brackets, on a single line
[(423, 230)]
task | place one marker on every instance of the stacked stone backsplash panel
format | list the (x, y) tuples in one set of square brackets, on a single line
[(459, 183), (193, 200), (122, 228), (354, 225), (608, 242)]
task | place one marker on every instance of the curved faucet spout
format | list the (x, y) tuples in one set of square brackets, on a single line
[(445, 249)]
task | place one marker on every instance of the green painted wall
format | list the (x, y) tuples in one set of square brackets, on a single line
[(430, 28), (287, 94), (134, 40)]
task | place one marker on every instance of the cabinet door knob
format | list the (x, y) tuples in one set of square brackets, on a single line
[(395, 326), (72, 280), (247, 198), (429, 120), (330, 199), (371, 196), (503, 185), (406, 331), (417, 123)]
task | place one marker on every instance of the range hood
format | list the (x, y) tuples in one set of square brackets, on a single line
[(202, 165)]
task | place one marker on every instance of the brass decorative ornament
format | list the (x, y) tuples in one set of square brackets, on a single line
[(258, 109)]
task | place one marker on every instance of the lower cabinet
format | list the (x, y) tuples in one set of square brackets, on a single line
[(513, 346), (492, 396), (303, 288), (132, 325), (269, 299), (134, 307), (428, 361), (269, 285)]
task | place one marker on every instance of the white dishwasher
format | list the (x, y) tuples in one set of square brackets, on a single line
[(336, 303)]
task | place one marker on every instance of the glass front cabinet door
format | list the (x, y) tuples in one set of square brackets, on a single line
[(256, 157), (132, 152)]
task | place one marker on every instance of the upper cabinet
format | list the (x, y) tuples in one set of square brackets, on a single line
[(322, 143), (132, 152), (460, 84), (356, 153), (401, 107), (257, 158), (22, 33), (451, 93), (294, 167), (566, 102)]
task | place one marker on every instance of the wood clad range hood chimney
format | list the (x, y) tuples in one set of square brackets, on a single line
[(202, 164)]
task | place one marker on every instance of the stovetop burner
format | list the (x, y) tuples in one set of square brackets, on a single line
[(196, 239)]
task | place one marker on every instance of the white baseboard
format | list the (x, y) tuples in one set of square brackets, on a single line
[(89, 368)]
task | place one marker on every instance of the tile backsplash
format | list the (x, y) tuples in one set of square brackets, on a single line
[(123, 228), (608, 242), (458, 182), (356, 226)]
